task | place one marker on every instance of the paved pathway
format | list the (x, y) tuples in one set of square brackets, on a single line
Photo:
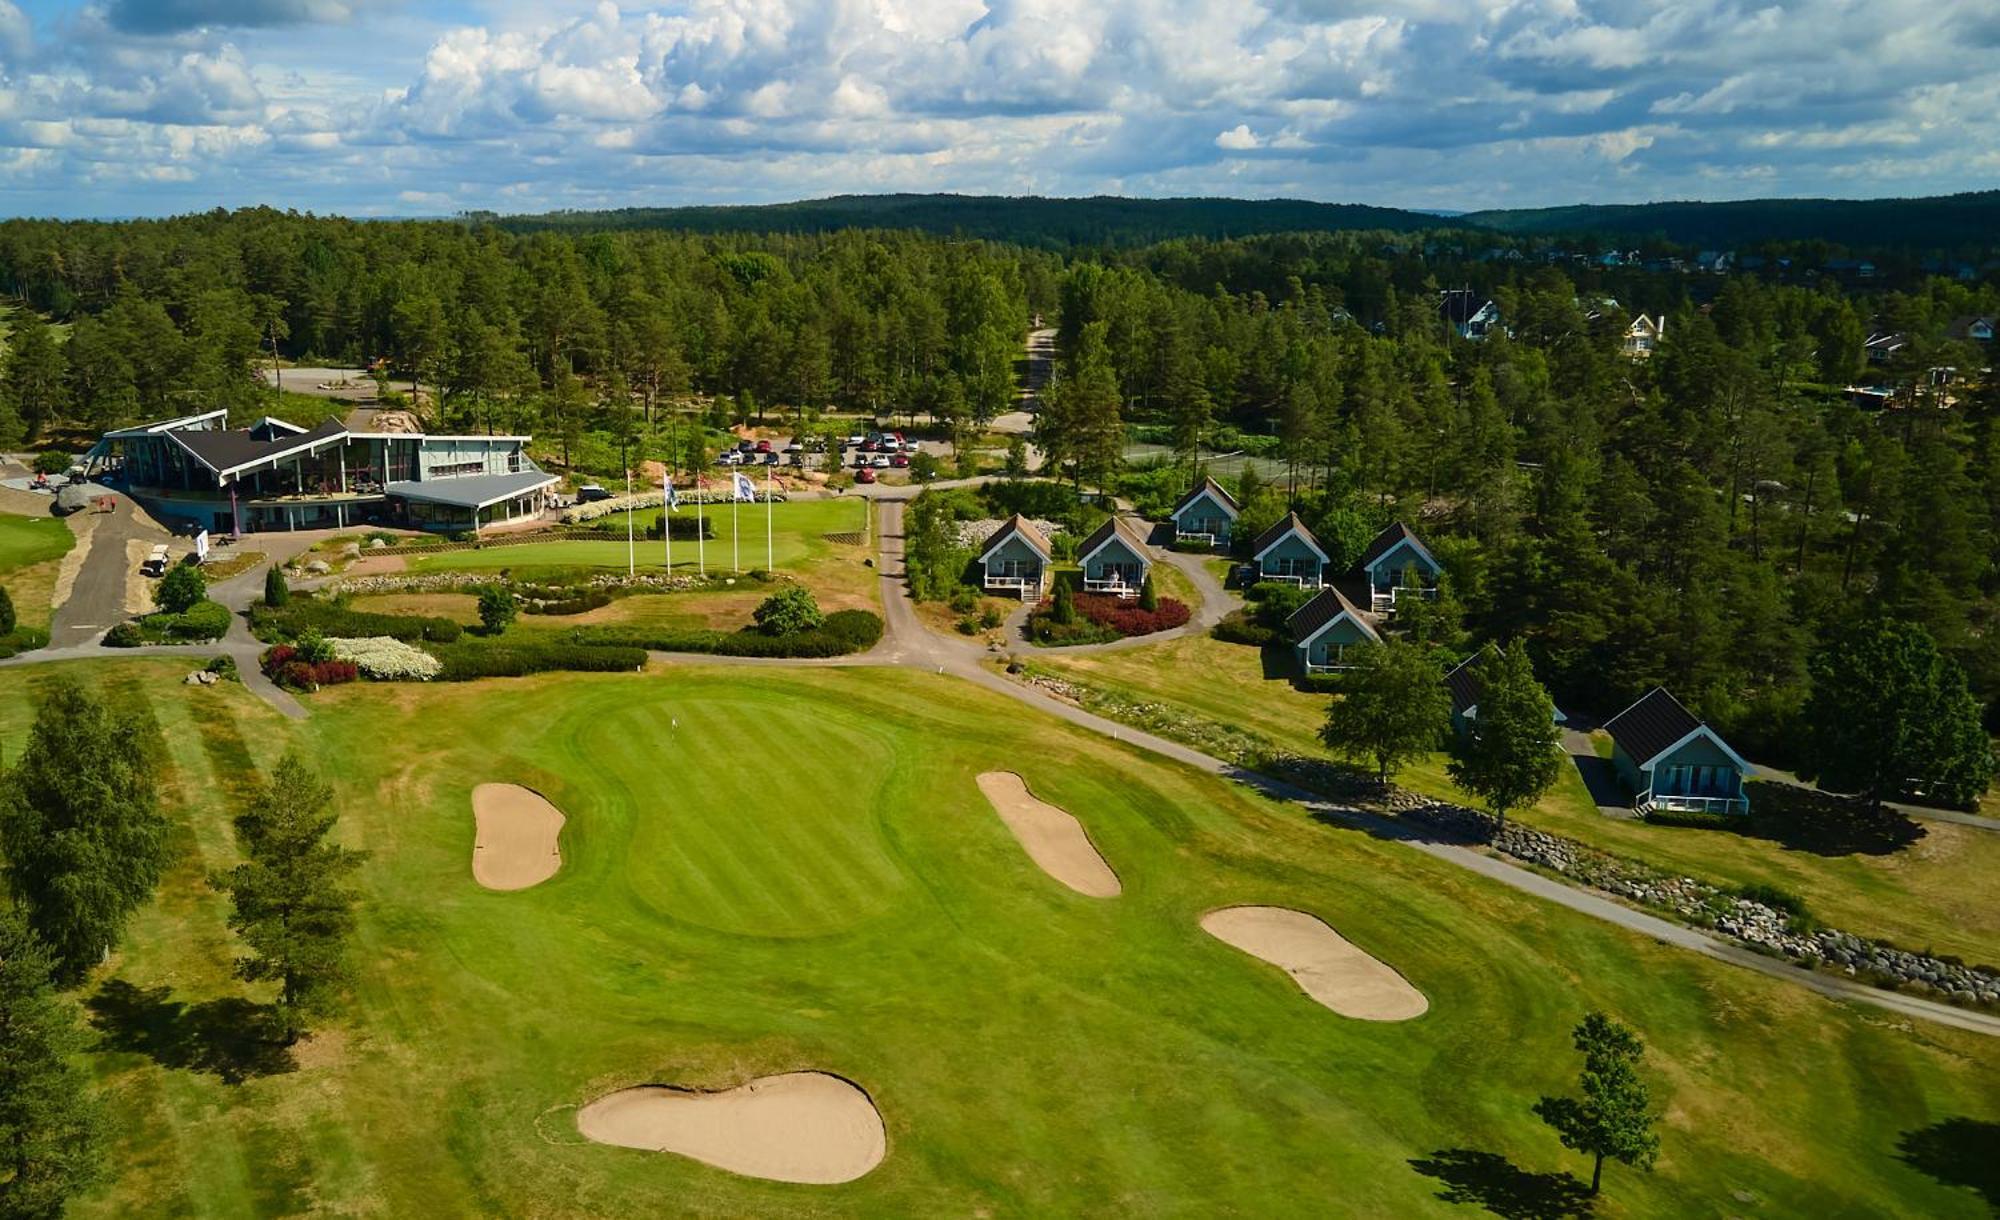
[(97, 599)]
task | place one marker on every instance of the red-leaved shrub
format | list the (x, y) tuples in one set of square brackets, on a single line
[(308, 675), (1126, 618)]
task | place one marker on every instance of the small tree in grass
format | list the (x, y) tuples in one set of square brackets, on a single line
[(80, 826), (497, 608), (1149, 597), (7, 619), (276, 591), (289, 898), (180, 589), (1513, 753), (788, 612), (49, 1122), (1017, 459), (1613, 1119), (1392, 707)]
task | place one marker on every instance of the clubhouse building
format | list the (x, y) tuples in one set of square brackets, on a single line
[(276, 475)]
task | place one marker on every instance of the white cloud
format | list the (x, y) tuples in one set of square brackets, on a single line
[(1420, 102)]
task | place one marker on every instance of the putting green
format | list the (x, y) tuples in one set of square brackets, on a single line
[(798, 535), (27, 540), (770, 871)]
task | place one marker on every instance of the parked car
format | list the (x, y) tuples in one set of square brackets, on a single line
[(856, 440), (763, 446), (729, 457), (770, 457), (864, 475), (860, 460), (590, 493), (746, 446), (797, 456), (900, 460), (880, 461), (889, 444)]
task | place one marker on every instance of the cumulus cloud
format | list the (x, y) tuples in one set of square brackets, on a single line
[(1416, 102)]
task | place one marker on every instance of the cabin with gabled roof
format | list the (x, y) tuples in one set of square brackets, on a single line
[(1206, 513), (1114, 559), (1015, 561), (1673, 761), (1397, 564), (1289, 553), (1463, 683), (1325, 629)]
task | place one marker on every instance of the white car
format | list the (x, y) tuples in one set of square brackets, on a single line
[(729, 458), (880, 461), (856, 441)]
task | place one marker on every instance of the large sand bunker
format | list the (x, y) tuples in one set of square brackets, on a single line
[(1053, 838), (516, 843), (798, 1127), (1328, 968)]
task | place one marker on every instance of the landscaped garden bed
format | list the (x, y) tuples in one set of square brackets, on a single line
[(1071, 618)]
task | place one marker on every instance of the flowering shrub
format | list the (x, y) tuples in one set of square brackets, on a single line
[(288, 667), (388, 659), (1128, 618)]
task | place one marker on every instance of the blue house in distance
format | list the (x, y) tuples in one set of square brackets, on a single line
[(1015, 560), (1114, 559), (1672, 761), (1288, 552), (1324, 629), (1206, 513), (1397, 564)]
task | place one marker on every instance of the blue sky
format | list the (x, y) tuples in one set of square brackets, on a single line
[(396, 107)]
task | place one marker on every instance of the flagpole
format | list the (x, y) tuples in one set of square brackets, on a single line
[(770, 475), (700, 533), (631, 555), (735, 551)]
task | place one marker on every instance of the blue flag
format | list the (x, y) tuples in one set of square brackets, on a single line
[(745, 489)]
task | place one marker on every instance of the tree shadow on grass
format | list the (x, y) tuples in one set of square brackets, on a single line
[(1801, 819), (1495, 1183), (1957, 1152), (231, 1038)]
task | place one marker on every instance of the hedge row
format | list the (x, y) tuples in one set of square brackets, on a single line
[(581, 603), (23, 639), (466, 661), (844, 632), (1697, 819), (304, 614)]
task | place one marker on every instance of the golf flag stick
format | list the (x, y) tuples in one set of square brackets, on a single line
[(700, 530), (631, 555), (735, 550), (769, 476)]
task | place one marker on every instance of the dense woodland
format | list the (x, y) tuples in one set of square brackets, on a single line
[(1702, 519)]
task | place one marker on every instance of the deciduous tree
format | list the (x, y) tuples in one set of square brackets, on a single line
[(1391, 708), (1613, 1120), (50, 1132), (1512, 754), (1888, 710)]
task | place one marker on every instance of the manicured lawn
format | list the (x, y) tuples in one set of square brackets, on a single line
[(1942, 892), (769, 870), (798, 536), (31, 551)]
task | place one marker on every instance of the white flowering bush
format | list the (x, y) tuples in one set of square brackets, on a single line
[(387, 659)]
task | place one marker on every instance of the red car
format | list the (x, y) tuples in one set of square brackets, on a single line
[(864, 475), (900, 460), (763, 446)]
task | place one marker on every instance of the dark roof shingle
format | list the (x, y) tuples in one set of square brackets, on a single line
[(1327, 605), (1290, 523), (1652, 724), (221, 450), (1114, 525), (1388, 540), (1213, 488), (1017, 524)]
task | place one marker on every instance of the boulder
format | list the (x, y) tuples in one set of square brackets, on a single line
[(319, 567)]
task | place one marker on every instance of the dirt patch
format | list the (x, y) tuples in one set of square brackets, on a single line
[(1052, 837), (807, 1127), (1324, 965), (377, 565), (516, 843)]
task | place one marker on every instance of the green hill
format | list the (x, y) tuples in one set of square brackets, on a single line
[(1941, 222), (1027, 220)]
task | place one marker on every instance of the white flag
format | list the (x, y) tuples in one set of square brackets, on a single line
[(673, 497), (745, 489)]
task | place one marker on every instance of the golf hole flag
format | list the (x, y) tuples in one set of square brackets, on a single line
[(745, 489)]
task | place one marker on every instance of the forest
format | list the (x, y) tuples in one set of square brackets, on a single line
[(1703, 519)]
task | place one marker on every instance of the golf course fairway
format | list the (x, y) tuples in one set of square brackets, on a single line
[(769, 871)]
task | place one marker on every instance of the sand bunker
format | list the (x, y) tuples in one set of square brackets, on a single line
[(798, 1127), (1054, 839), (516, 844), (1330, 970)]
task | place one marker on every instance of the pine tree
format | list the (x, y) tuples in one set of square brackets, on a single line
[(80, 826), (1149, 596), (1887, 707), (1392, 707), (31, 380), (497, 608), (276, 591), (1511, 756), (50, 1135), (1064, 612), (8, 621), (1613, 1118), (290, 900)]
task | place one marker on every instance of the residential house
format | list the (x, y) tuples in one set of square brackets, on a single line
[(1288, 552), (1714, 262), (1016, 560), (1465, 687), (1969, 328), (1397, 564), (1114, 559), (1205, 514), (1672, 761), (1643, 336), (275, 475), (1883, 345), (1325, 629), (1468, 314)]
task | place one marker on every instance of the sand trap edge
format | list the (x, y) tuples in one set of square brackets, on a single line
[(533, 876), (874, 1159), (1423, 1003), (1082, 875)]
